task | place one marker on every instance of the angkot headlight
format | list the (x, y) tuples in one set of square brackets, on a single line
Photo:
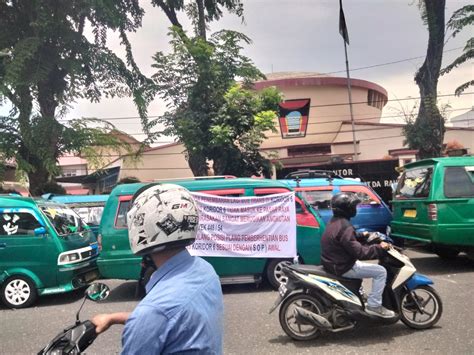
[(68, 258)]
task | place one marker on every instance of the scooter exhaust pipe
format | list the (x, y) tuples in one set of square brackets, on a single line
[(312, 318)]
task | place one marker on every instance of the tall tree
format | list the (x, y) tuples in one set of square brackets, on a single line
[(198, 81), (460, 19), (213, 116), (47, 62), (426, 133)]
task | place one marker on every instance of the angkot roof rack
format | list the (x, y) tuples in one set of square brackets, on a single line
[(212, 177), (310, 174)]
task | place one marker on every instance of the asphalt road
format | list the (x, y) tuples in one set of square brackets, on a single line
[(249, 329)]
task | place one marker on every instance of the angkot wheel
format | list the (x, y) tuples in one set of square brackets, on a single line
[(274, 272), (431, 307), (445, 252), (19, 292)]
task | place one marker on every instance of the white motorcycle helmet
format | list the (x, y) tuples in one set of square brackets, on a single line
[(161, 216)]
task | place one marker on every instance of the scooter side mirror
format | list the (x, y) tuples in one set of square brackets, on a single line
[(97, 292)]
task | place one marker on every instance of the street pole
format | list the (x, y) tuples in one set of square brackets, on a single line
[(349, 91)]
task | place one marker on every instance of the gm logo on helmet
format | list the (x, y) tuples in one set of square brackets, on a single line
[(179, 205)]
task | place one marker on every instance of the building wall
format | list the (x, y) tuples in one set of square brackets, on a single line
[(465, 137), (328, 124), (375, 141), (324, 120), (165, 162), (74, 170)]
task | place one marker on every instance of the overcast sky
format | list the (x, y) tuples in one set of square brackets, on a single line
[(302, 35)]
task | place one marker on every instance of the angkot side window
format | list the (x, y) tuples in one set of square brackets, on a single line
[(318, 199), (90, 214), (121, 219), (415, 183), (18, 224), (459, 181)]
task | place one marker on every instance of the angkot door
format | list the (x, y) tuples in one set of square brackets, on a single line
[(23, 252), (455, 214), (116, 258)]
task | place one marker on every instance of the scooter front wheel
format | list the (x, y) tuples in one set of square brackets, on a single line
[(296, 328), (421, 308)]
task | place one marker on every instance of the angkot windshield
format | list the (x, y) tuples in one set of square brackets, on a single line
[(64, 220)]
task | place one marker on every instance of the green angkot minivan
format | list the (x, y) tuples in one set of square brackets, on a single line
[(116, 260), (45, 248), (434, 203)]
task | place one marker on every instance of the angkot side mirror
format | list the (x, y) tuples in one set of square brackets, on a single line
[(40, 231)]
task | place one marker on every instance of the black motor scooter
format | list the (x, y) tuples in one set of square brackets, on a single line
[(78, 337)]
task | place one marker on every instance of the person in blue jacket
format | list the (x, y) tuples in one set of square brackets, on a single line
[(182, 311)]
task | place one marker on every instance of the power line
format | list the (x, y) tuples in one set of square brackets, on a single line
[(325, 105), (338, 116), (388, 63), (187, 168), (319, 133), (383, 126), (182, 153), (405, 99), (342, 117)]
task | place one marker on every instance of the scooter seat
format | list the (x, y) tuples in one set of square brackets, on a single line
[(320, 271)]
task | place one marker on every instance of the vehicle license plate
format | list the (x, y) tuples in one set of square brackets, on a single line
[(409, 213)]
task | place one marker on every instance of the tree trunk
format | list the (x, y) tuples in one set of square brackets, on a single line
[(201, 20), (429, 118), (38, 179), (220, 164), (197, 163)]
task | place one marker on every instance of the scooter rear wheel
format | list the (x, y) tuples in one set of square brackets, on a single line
[(296, 329), (429, 300)]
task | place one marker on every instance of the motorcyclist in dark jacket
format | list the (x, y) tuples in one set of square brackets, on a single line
[(342, 252)]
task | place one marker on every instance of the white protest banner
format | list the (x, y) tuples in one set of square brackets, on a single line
[(259, 227)]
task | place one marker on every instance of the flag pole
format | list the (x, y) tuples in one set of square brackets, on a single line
[(349, 91), (345, 36)]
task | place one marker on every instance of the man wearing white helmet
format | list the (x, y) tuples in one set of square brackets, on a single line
[(183, 308)]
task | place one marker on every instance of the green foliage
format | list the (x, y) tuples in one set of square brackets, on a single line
[(201, 12), (46, 63), (425, 133), (213, 116), (461, 18), (128, 180), (52, 187)]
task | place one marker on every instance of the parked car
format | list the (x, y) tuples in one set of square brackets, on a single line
[(318, 186), (117, 261), (434, 203), (45, 248), (88, 207)]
